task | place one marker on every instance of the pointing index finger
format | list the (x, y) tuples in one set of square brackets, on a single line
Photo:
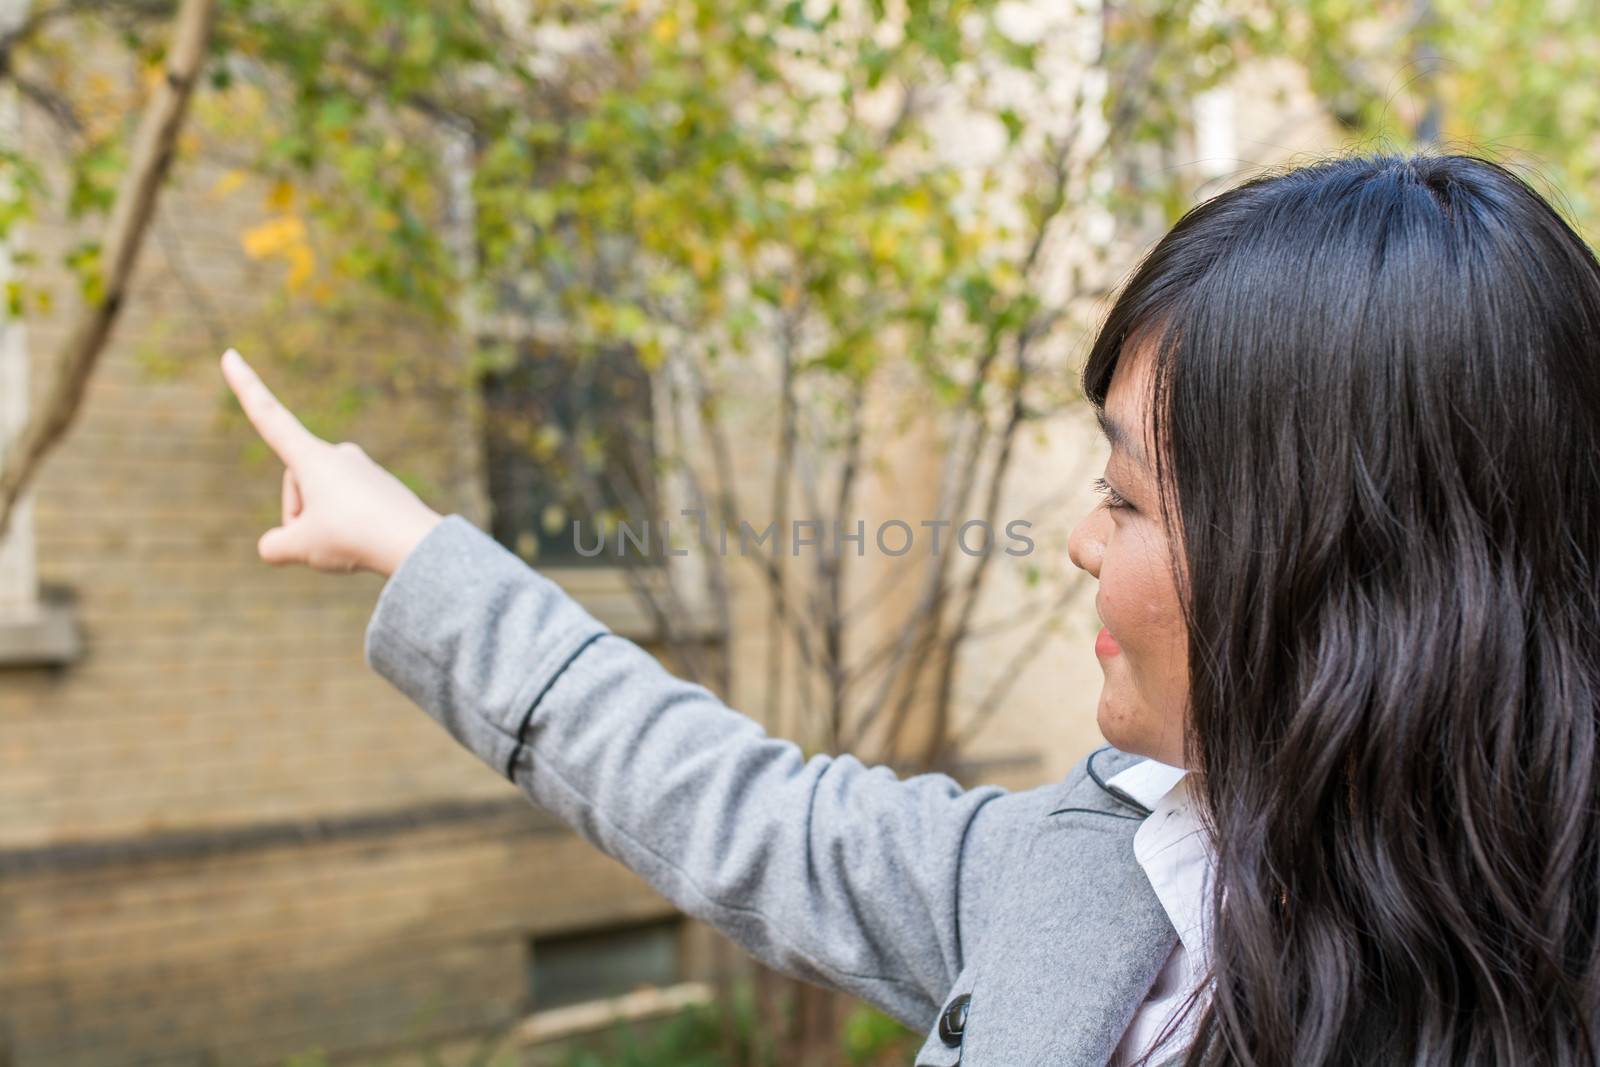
[(275, 423)]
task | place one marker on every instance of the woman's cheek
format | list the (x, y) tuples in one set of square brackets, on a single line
[(1139, 611), (1156, 646), (1119, 598)]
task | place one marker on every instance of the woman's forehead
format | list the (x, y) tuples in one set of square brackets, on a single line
[(1126, 417)]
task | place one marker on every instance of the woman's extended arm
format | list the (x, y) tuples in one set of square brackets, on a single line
[(824, 868)]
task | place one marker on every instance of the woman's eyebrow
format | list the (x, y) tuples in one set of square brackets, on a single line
[(1118, 436)]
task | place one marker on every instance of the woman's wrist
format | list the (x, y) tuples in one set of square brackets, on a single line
[(407, 533)]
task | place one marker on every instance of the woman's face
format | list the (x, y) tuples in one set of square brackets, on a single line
[(1143, 648)]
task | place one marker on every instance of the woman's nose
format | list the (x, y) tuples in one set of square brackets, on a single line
[(1087, 544)]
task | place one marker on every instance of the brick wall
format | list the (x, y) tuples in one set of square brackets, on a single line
[(213, 950)]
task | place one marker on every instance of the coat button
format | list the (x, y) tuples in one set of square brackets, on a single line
[(954, 1020)]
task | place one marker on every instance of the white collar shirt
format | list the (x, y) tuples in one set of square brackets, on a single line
[(1175, 853)]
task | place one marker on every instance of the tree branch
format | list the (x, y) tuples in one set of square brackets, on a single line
[(153, 148)]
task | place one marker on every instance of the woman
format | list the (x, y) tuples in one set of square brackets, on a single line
[(1347, 570)]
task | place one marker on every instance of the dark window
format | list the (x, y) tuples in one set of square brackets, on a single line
[(569, 439), (572, 968)]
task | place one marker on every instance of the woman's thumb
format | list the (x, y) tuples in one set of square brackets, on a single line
[(283, 544)]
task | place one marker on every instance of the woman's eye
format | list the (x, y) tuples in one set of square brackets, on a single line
[(1113, 499)]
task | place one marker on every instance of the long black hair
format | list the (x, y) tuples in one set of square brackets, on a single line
[(1377, 420)]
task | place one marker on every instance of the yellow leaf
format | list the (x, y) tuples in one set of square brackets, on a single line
[(228, 184), (273, 237), (281, 196), (302, 264)]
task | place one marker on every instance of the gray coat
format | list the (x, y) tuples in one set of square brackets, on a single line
[(1025, 909)]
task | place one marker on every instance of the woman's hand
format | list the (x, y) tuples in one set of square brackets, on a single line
[(341, 511)]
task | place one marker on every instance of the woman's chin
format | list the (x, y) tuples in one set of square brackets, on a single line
[(1114, 722), (1145, 736)]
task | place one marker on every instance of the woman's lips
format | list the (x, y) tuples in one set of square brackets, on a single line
[(1105, 644)]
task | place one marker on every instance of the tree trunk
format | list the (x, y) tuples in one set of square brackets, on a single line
[(153, 148)]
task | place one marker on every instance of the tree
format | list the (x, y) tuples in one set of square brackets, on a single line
[(108, 266)]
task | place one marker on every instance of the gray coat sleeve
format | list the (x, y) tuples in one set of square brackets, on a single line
[(824, 868)]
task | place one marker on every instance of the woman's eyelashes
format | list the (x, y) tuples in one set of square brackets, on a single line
[(1113, 499)]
